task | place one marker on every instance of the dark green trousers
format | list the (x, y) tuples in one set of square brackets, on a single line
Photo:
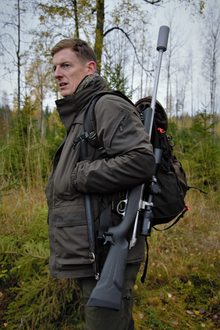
[(107, 319)]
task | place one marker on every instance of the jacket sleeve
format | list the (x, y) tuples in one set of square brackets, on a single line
[(131, 159)]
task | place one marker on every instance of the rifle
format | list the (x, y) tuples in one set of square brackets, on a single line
[(108, 290)]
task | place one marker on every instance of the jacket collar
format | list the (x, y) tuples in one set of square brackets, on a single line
[(70, 106)]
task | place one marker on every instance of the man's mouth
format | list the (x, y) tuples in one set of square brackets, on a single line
[(62, 85)]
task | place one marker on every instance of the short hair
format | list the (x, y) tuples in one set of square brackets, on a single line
[(80, 47)]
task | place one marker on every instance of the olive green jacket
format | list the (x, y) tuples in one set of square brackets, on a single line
[(131, 163)]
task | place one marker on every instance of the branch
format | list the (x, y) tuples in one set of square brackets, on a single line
[(10, 36), (153, 2), (127, 36)]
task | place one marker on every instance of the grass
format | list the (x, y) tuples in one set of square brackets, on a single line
[(181, 290), (182, 287)]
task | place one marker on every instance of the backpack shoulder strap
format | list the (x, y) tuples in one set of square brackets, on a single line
[(89, 121)]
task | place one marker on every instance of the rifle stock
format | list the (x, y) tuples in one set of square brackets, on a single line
[(108, 290)]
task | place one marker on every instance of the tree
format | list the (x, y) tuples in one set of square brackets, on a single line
[(211, 58), (172, 59), (114, 76), (10, 40), (5, 116), (204, 153), (100, 33), (131, 56), (38, 78), (69, 18)]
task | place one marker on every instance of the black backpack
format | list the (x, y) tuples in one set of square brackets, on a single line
[(171, 178), (169, 204)]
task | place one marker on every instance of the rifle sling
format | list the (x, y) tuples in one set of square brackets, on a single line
[(90, 133)]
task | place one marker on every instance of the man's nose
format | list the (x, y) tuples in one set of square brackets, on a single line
[(57, 72)]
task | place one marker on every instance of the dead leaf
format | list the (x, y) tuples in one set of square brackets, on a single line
[(191, 313), (196, 312), (141, 316), (162, 297)]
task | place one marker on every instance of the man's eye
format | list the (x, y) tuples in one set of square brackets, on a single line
[(66, 65)]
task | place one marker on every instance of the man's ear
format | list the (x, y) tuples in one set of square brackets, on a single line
[(91, 67)]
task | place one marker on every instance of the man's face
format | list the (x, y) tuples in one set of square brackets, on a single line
[(69, 71)]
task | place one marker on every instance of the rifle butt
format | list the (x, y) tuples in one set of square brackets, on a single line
[(109, 289)]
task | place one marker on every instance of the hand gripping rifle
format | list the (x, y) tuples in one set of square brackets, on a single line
[(108, 290)]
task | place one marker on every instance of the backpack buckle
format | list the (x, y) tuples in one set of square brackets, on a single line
[(84, 136), (92, 135)]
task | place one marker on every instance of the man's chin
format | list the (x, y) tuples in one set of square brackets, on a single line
[(64, 93)]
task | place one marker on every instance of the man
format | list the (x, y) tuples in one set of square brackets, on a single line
[(130, 163)]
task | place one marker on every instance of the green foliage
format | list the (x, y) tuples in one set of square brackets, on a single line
[(6, 184), (45, 302), (38, 300), (5, 120), (205, 148), (27, 155), (113, 74), (198, 149)]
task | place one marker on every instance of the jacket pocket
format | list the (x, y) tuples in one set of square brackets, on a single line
[(71, 246), (120, 134), (70, 236)]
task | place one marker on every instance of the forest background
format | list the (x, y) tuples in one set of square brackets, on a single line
[(182, 288)]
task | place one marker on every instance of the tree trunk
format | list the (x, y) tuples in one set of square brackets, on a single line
[(76, 34), (99, 32), (19, 59), (132, 74)]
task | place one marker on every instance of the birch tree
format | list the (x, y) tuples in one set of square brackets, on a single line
[(211, 59), (10, 40)]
